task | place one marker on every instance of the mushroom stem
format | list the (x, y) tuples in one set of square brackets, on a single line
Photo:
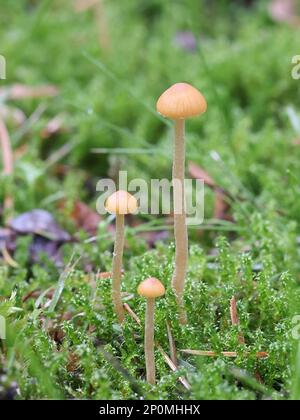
[(117, 268), (149, 341), (180, 228)]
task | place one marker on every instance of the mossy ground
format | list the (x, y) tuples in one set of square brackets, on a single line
[(68, 345)]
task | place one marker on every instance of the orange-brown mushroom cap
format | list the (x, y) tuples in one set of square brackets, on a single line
[(151, 288), (121, 202), (181, 101)]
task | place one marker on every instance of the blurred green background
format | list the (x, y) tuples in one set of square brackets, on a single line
[(110, 61)]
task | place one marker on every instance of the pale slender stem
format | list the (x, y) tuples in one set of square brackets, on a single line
[(117, 268), (8, 160), (180, 228), (149, 341)]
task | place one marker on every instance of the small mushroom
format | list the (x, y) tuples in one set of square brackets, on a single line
[(179, 102), (150, 288), (119, 203)]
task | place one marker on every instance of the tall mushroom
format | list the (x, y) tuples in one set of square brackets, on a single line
[(119, 203), (150, 288), (179, 102)]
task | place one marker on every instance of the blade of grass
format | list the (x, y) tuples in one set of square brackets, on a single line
[(61, 284), (108, 73)]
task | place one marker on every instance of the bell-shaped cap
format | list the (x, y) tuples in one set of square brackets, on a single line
[(181, 101), (121, 202), (151, 288)]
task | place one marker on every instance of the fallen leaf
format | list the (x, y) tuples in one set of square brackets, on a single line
[(198, 173), (235, 318), (85, 218), (39, 222), (47, 235), (73, 362), (41, 247), (221, 206), (57, 334)]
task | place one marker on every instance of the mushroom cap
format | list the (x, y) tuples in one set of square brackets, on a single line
[(121, 202), (181, 101), (151, 288)]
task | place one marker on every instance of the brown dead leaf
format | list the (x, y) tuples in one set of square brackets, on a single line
[(198, 173), (235, 318), (221, 206), (57, 335), (73, 362), (85, 218)]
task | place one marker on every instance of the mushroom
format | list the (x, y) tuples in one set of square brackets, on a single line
[(150, 288), (179, 102), (119, 203)]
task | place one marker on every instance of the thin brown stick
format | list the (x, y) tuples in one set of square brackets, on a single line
[(180, 228), (173, 367), (173, 352), (235, 318), (132, 314), (259, 355), (8, 258)]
